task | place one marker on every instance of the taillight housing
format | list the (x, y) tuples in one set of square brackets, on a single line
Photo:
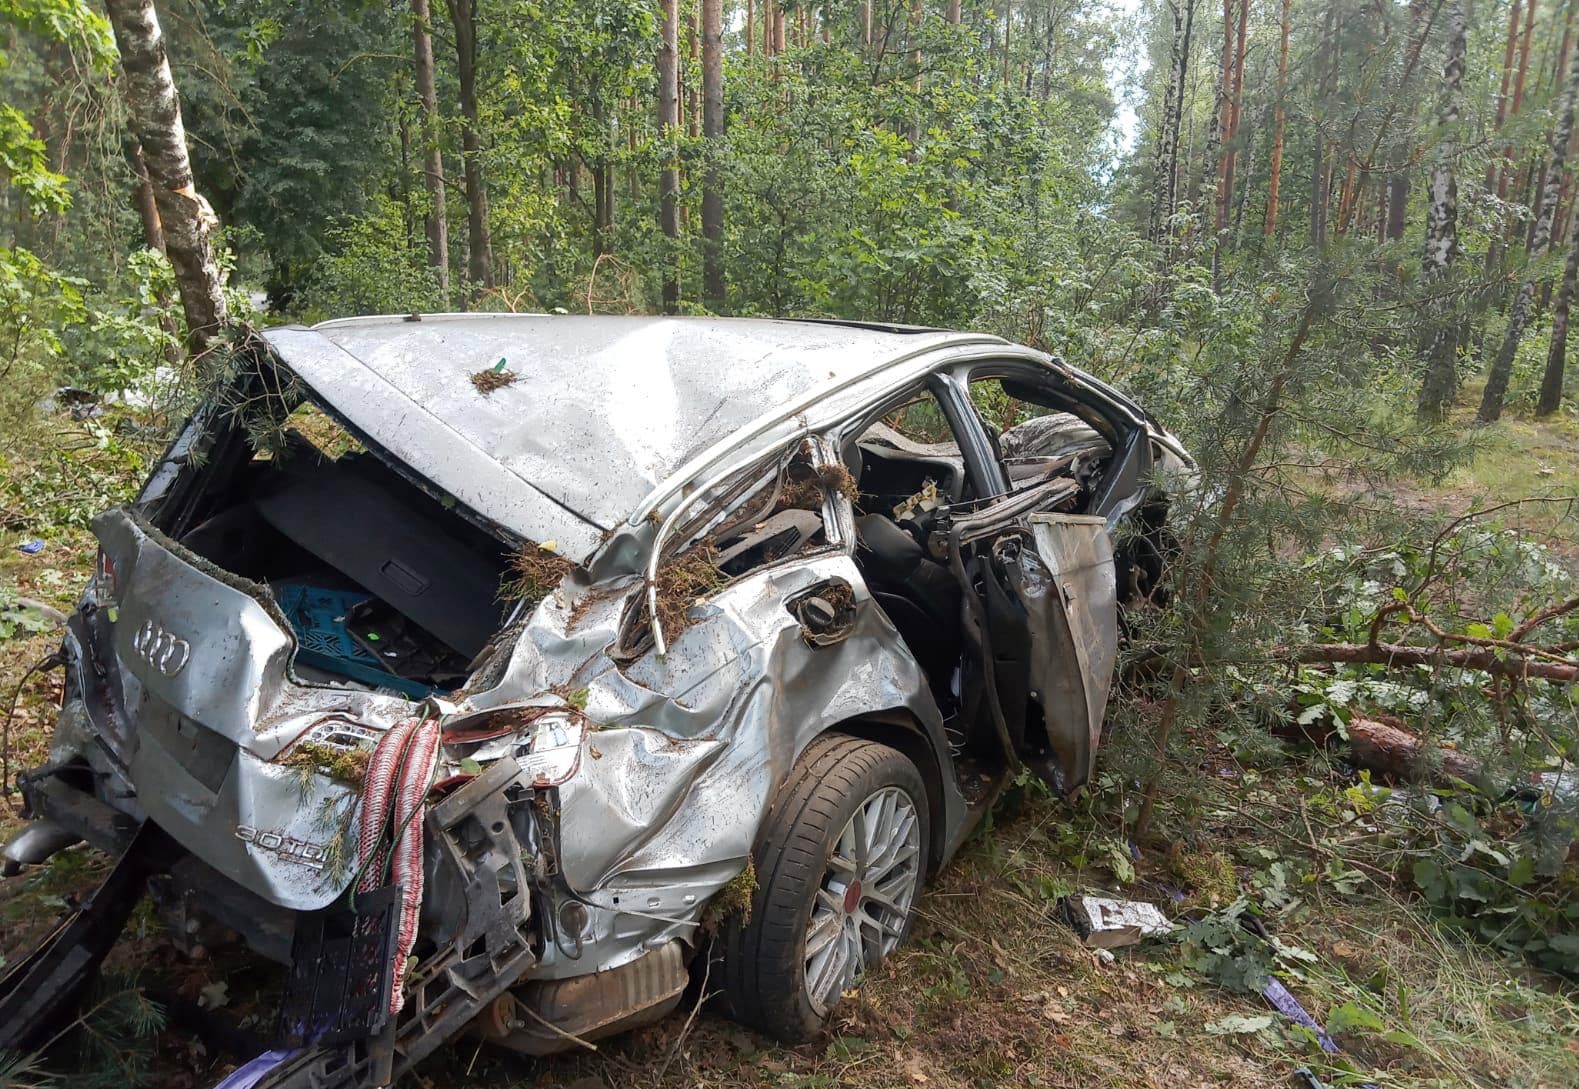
[(106, 584)]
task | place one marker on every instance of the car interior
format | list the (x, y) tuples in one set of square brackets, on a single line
[(912, 481)]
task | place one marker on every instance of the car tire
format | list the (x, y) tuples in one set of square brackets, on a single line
[(840, 861)]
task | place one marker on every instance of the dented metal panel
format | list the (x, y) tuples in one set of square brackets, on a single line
[(602, 410), (1076, 601)]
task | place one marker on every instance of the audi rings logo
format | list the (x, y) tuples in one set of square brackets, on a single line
[(165, 652)]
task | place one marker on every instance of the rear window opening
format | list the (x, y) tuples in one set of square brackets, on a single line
[(383, 585)]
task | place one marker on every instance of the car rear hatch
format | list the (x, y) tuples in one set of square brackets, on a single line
[(204, 665)]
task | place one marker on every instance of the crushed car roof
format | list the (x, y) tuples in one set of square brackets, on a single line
[(598, 412)]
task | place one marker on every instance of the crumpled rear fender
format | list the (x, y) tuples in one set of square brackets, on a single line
[(688, 750)]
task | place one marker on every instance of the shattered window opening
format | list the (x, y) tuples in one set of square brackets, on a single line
[(382, 584)]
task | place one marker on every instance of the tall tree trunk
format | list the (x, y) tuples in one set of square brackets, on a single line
[(668, 134), (1440, 382), (1008, 23), (479, 245), (1237, 102), (952, 12), (778, 28), (1494, 167), (1279, 119), (751, 26), (1519, 314), (917, 13), (437, 220), (693, 92), (1225, 116), (1557, 353), (154, 112), (1167, 136), (713, 135)]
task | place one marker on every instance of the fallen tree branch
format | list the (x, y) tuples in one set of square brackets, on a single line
[(1398, 654)]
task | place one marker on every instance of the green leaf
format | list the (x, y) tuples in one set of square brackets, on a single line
[(1237, 1024), (1352, 1017)]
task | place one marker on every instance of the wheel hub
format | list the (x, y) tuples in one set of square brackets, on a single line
[(870, 885)]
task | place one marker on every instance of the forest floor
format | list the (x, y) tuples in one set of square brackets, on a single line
[(993, 989)]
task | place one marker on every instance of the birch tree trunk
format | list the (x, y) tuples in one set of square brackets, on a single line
[(713, 134), (479, 245), (437, 221), (1440, 382), (154, 111), (1519, 314), (1163, 192), (1557, 354), (668, 130)]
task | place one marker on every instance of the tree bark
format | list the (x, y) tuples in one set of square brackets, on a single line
[(1440, 381), (668, 132), (1494, 180), (751, 26), (154, 112), (1225, 116), (479, 245), (147, 205), (437, 221), (713, 134), (1165, 196), (1235, 106), (1269, 225), (1519, 313), (1557, 353)]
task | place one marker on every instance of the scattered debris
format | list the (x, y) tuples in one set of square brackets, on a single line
[(31, 548), (836, 478), (681, 581), (1279, 998), (536, 569), (494, 378), (1110, 924), (733, 901), (343, 765)]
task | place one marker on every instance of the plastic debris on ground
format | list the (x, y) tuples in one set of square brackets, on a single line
[(31, 548), (1109, 924)]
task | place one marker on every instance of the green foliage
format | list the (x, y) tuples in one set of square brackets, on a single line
[(1501, 876), (372, 268), (16, 618)]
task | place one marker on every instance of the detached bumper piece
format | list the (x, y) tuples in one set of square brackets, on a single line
[(467, 973), (40, 994)]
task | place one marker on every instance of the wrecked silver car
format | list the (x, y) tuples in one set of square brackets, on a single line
[(497, 673)]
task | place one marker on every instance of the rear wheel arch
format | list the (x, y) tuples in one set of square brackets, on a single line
[(899, 729)]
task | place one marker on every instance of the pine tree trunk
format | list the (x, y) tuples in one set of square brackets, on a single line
[(154, 112), (1557, 354), (751, 26), (1440, 382), (952, 13), (1225, 116), (1276, 178), (917, 13), (692, 92), (713, 134), (1519, 314), (1494, 179), (479, 245), (1008, 24), (668, 132), (437, 220)]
